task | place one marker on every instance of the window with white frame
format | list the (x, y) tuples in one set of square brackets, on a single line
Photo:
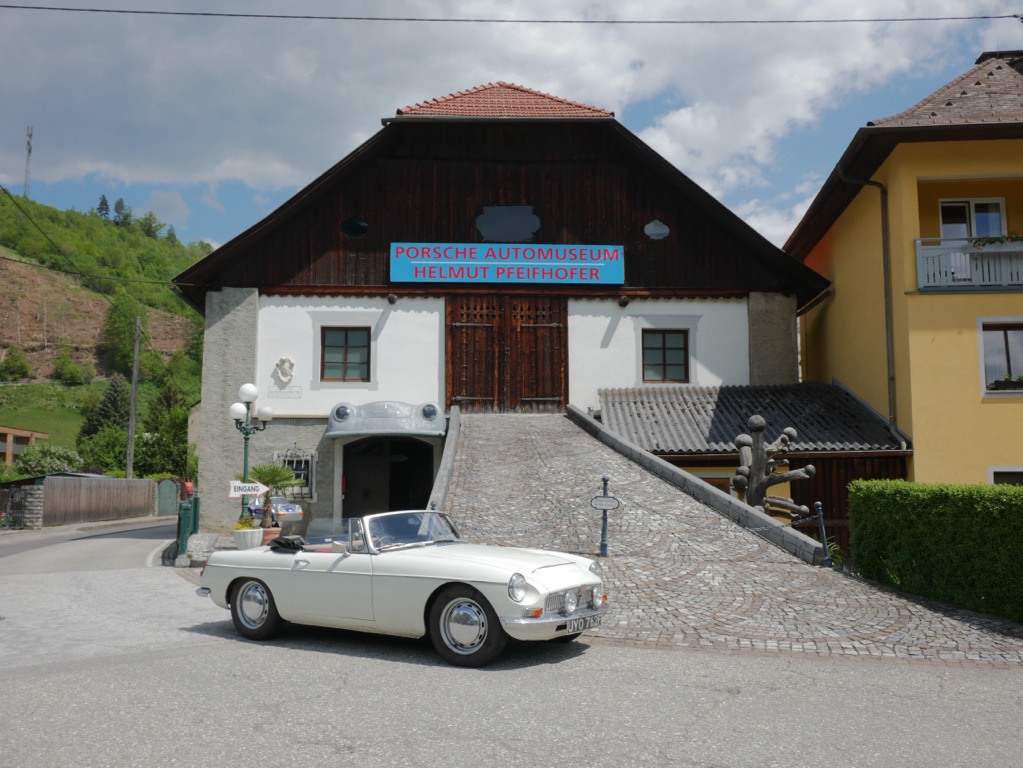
[(303, 464), (981, 217), (344, 354), (666, 355), (1002, 344)]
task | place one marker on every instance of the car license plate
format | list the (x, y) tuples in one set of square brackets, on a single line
[(580, 625)]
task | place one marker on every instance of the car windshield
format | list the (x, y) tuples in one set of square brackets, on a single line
[(400, 529)]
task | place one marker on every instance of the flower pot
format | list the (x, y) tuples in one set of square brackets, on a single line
[(247, 538)]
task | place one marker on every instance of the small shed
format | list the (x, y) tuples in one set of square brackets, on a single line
[(695, 428)]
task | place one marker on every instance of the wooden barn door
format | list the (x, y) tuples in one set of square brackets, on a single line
[(507, 353), (472, 345)]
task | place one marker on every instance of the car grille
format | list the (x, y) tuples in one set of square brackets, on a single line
[(556, 603)]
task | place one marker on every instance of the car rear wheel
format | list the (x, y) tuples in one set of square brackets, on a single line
[(464, 629), (254, 611)]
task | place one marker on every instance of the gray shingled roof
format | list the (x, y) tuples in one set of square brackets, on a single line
[(706, 420), (991, 92)]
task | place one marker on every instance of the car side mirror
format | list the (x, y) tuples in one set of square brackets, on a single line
[(339, 547)]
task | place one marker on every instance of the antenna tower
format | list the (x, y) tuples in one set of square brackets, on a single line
[(28, 160)]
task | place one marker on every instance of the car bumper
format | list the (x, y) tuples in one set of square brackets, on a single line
[(551, 627)]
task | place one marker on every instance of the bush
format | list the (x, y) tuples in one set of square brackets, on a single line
[(954, 543), (44, 458), (67, 371), (14, 365)]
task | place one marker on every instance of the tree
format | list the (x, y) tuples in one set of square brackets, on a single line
[(14, 365), (44, 458), (164, 447), (111, 411), (103, 209), (172, 236), (122, 213), (106, 450), (149, 225), (274, 477), (118, 338)]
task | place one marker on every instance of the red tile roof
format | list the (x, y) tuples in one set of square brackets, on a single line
[(502, 100), (991, 92)]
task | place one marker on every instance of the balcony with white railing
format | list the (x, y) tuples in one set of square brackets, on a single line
[(969, 264)]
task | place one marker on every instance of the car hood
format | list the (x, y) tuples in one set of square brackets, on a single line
[(543, 565)]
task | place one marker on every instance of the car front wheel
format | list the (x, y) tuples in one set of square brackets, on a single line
[(254, 611), (464, 629)]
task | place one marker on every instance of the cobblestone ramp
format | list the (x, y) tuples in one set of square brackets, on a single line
[(681, 575)]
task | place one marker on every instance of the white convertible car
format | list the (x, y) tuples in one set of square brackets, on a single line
[(409, 574)]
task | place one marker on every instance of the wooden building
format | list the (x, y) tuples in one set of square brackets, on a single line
[(498, 249)]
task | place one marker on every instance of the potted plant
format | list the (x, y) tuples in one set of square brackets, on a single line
[(246, 534), (275, 477)]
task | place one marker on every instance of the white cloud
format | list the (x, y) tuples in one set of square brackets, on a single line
[(177, 101), (168, 206)]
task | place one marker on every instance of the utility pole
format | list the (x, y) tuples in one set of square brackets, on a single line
[(130, 459), (28, 161)]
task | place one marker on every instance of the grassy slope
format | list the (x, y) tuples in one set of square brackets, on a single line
[(46, 407)]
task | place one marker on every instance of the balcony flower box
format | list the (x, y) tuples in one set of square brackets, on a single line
[(999, 244), (1004, 384)]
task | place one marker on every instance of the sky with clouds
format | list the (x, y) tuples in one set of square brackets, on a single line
[(211, 123)]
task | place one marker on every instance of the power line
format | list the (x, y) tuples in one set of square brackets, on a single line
[(450, 20), (167, 283)]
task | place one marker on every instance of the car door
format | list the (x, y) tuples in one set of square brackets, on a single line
[(332, 588)]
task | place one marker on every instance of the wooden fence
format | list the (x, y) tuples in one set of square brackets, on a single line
[(91, 499)]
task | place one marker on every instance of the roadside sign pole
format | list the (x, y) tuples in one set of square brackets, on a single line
[(604, 502), (603, 525)]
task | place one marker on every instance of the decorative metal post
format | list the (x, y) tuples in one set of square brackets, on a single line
[(241, 412), (826, 562), (604, 502)]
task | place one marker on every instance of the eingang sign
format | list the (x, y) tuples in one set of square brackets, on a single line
[(503, 263)]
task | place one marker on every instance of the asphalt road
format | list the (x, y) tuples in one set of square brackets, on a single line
[(125, 666)]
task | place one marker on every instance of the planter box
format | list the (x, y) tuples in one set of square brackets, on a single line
[(1002, 384), (248, 538)]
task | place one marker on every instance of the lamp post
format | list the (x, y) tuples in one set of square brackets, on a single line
[(244, 422)]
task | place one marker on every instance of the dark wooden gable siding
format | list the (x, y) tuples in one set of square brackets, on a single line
[(589, 182)]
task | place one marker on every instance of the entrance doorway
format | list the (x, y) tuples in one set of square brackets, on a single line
[(382, 474), (507, 353)]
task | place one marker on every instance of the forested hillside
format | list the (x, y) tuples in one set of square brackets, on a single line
[(71, 287)]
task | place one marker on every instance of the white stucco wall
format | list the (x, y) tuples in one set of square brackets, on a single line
[(605, 342), (407, 352), (408, 364)]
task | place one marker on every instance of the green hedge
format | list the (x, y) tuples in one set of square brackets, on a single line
[(959, 544)]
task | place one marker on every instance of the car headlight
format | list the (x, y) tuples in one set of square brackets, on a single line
[(596, 596), (597, 569), (517, 587), (571, 600)]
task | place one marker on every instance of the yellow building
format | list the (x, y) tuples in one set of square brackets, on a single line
[(920, 230)]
